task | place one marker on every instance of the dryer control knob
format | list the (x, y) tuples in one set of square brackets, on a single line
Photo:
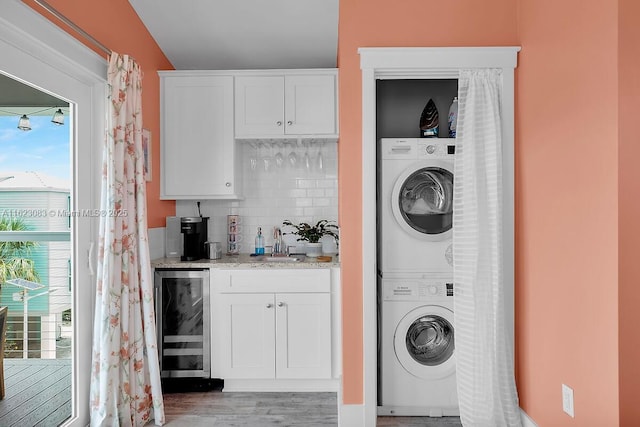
[(433, 290), (431, 149)]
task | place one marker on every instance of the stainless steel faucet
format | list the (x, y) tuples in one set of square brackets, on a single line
[(277, 242)]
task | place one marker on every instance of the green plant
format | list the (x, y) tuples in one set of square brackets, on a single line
[(14, 256), (313, 234)]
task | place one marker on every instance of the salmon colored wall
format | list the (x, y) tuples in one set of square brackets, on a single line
[(569, 103), (116, 25), (386, 23), (567, 211), (629, 211)]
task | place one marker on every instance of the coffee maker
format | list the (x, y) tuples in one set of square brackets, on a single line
[(194, 233)]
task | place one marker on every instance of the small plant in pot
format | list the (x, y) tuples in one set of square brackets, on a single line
[(312, 234)]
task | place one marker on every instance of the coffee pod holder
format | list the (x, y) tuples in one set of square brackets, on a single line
[(232, 235)]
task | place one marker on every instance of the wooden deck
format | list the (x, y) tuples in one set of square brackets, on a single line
[(37, 392)]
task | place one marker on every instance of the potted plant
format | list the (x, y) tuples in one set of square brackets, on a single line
[(313, 234)]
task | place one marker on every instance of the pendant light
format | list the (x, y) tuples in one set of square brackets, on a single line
[(23, 123), (58, 117)]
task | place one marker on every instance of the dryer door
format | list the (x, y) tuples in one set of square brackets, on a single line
[(423, 342), (422, 200)]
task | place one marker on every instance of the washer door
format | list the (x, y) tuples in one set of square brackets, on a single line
[(424, 342), (422, 200)]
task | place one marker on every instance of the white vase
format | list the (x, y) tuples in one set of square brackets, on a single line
[(313, 249)]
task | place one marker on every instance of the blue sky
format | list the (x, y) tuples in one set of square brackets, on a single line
[(45, 148)]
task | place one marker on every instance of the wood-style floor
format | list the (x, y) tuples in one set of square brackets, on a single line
[(418, 422), (205, 409)]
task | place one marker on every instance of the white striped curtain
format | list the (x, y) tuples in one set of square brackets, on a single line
[(484, 353)]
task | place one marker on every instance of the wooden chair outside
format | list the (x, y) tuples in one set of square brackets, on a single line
[(3, 334)]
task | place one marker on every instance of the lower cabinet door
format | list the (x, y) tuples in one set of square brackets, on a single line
[(303, 335), (248, 336)]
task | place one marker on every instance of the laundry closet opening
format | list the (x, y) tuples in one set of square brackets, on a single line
[(416, 356), (400, 103)]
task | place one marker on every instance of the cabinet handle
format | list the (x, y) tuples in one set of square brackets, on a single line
[(269, 305), (289, 122), (280, 304), (227, 184), (279, 123)]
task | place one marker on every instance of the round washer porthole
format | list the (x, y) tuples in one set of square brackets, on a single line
[(422, 200), (424, 342)]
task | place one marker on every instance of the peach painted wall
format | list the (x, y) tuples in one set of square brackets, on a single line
[(567, 165), (385, 23), (629, 211), (116, 25), (567, 211)]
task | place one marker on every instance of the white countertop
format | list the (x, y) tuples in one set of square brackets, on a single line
[(243, 261)]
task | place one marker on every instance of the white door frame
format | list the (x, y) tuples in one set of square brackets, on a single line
[(419, 63), (51, 60)]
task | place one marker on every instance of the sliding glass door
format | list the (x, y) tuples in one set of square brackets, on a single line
[(59, 306)]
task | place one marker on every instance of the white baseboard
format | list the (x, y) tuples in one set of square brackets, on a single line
[(350, 415), (353, 416), (526, 419), (281, 385)]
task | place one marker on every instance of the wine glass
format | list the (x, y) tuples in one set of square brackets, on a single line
[(307, 159), (279, 158), (293, 157), (253, 159), (319, 159), (266, 157)]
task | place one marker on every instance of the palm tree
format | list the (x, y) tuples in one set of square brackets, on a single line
[(14, 256)]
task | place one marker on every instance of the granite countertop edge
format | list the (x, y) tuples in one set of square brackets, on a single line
[(242, 261)]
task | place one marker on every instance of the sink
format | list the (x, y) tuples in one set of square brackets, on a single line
[(282, 259)]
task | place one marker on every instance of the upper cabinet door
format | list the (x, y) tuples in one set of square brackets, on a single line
[(310, 104), (285, 105), (259, 105), (198, 148)]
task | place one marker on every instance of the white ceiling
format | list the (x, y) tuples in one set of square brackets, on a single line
[(222, 35), (243, 34)]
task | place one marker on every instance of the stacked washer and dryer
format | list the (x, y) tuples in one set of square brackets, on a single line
[(415, 278)]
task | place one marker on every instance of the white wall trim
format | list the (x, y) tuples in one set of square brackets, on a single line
[(351, 416), (49, 43), (35, 51), (436, 59), (396, 63), (527, 421)]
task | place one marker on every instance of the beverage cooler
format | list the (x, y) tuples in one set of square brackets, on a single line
[(183, 322)]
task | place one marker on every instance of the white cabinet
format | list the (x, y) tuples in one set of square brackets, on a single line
[(247, 338), (273, 324), (290, 104), (198, 152), (278, 335)]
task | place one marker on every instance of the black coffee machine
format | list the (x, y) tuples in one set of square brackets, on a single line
[(194, 233)]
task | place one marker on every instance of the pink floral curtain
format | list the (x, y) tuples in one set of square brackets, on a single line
[(125, 379)]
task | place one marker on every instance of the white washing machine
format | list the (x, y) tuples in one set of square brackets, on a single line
[(417, 375), (415, 201)]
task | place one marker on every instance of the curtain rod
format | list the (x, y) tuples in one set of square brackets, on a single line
[(71, 24)]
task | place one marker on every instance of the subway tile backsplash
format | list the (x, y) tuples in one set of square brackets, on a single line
[(275, 188)]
